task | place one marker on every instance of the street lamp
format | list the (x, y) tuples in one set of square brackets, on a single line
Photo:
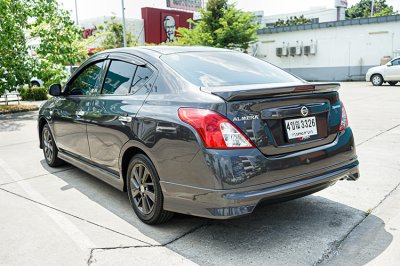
[(123, 22), (372, 7), (76, 12)]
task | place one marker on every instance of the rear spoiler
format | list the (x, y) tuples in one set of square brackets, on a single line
[(246, 92)]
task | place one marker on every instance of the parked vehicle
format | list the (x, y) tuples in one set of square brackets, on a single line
[(69, 70), (200, 131), (36, 82), (389, 73)]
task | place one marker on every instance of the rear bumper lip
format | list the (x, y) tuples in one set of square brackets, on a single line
[(349, 172), (230, 203)]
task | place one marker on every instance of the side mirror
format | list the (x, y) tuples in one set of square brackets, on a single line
[(389, 64), (55, 89)]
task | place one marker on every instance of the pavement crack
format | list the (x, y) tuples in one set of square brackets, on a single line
[(36, 176), (91, 258), (377, 135), (334, 247), (194, 229), (76, 217)]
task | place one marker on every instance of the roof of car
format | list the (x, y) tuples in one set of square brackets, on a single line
[(163, 50)]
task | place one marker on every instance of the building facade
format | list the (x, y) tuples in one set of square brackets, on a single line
[(338, 50)]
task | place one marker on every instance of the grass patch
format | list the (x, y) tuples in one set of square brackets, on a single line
[(8, 109)]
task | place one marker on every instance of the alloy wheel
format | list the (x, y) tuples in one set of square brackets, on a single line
[(142, 187), (48, 145)]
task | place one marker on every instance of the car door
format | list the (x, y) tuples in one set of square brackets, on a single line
[(126, 85), (71, 109), (392, 72)]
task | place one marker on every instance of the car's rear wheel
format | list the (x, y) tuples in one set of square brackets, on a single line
[(377, 80), (50, 150), (392, 83), (145, 192)]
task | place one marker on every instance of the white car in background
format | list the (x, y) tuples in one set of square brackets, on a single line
[(35, 82), (69, 70), (389, 73)]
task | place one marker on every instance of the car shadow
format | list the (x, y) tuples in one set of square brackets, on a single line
[(12, 122), (297, 231)]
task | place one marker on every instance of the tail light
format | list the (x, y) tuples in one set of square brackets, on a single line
[(216, 131), (344, 122)]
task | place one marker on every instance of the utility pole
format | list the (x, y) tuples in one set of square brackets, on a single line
[(76, 13), (372, 8), (123, 23)]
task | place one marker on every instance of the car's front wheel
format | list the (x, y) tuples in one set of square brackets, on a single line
[(377, 80), (144, 191), (49, 147), (392, 83)]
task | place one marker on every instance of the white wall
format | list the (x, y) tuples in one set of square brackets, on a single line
[(357, 46), (324, 15)]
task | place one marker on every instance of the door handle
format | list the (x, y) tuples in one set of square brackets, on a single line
[(80, 113), (125, 119)]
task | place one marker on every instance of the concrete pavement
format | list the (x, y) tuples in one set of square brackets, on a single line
[(64, 216)]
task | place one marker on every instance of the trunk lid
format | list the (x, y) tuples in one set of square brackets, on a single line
[(271, 115)]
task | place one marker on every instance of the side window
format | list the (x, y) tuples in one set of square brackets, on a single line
[(142, 75), (396, 62), (86, 81), (119, 78)]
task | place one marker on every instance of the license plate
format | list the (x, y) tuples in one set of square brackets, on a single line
[(301, 128)]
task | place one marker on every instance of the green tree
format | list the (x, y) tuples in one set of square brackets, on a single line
[(222, 25), (113, 35), (292, 21), (15, 63), (59, 42), (363, 9)]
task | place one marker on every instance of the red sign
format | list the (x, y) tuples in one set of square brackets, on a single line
[(88, 32), (160, 25)]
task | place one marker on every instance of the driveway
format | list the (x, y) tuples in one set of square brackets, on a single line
[(63, 216)]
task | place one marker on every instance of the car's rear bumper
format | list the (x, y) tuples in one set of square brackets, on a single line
[(229, 203)]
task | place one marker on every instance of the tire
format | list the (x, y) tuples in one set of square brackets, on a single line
[(377, 80), (50, 150), (35, 84), (392, 83), (144, 191)]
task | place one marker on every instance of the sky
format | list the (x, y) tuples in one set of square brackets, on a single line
[(98, 8)]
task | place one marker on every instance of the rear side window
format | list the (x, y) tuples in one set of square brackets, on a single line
[(119, 78), (213, 69), (142, 75)]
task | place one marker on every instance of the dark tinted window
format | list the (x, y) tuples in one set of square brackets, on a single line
[(211, 69), (85, 82), (119, 78), (142, 75)]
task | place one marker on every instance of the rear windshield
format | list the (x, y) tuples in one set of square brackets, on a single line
[(214, 69)]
